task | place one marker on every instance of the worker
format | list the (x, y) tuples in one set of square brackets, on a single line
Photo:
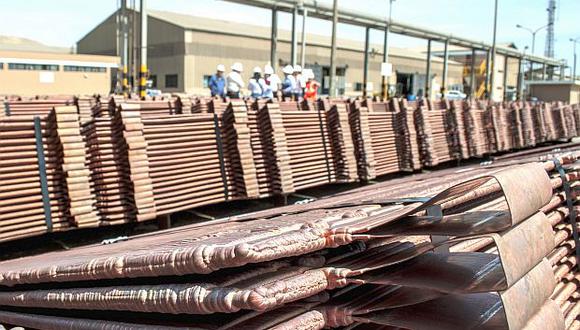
[(217, 82), (300, 84), (272, 83), (234, 81), (311, 89), (289, 83), (256, 83)]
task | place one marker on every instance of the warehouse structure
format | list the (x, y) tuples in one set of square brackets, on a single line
[(30, 68), (184, 51), (27, 73)]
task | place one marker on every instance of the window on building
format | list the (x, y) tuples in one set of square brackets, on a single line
[(78, 68), (36, 67), (171, 81), (1, 66), (358, 87), (206, 78), (153, 79)]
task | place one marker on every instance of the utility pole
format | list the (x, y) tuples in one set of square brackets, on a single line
[(333, 49), (385, 80), (493, 49)]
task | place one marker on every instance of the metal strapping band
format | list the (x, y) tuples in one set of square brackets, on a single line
[(42, 172), (7, 108), (570, 205), (324, 146), (218, 138)]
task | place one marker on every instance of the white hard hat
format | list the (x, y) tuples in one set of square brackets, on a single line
[(238, 67), (297, 68), (308, 73), (288, 69), (268, 69), (221, 68), (257, 69)]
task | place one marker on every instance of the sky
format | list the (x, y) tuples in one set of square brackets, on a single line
[(63, 22)]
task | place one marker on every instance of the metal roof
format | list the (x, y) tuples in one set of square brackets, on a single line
[(315, 9)]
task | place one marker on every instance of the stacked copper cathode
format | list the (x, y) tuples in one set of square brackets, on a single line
[(138, 160), (492, 247)]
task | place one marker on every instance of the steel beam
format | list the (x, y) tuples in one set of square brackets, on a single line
[(428, 72), (520, 79), (349, 16), (333, 50), (472, 78), (505, 76), (274, 40), (487, 75), (294, 39), (544, 71), (143, 47), (303, 46), (445, 68), (493, 51), (366, 61), (385, 80)]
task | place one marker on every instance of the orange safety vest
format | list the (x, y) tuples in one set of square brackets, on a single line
[(311, 90)]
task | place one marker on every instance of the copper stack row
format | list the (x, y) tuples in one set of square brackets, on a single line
[(34, 107), (44, 178), (485, 247)]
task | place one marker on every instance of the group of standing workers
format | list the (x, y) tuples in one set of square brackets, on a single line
[(296, 84)]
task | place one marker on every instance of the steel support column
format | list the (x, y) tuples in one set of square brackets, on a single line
[(487, 73), (544, 71), (428, 72), (445, 68), (303, 45), (520, 79), (472, 73), (505, 76), (294, 39), (493, 51), (274, 40), (125, 38), (143, 47), (332, 86), (366, 61), (385, 80)]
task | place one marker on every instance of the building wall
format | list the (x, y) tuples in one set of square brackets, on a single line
[(206, 50), (60, 82), (192, 55), (101, 40), (556, 92)]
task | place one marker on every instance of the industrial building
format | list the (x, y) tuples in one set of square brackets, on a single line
[(184, 50), (28, 68), (550, 91)]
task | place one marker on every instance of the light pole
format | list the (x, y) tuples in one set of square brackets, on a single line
[(385, 81), (574, 41), (533, 32)]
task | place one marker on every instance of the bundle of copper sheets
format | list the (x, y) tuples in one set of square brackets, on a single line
[(34, 107), (382, 142), (136, 160), (478, 130), (435, 130), (500, 256), (44, 181)]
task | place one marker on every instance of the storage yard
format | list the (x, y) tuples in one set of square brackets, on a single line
[(283, 205)]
